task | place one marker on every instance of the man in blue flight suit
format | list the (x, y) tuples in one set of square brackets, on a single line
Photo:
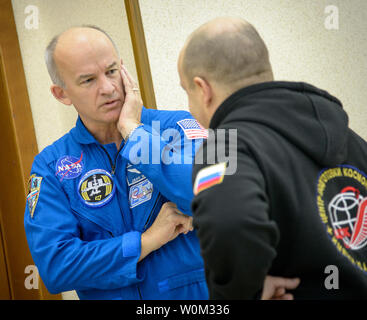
[(108, 208)]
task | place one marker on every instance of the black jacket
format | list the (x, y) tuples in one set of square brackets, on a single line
[(296, 203)]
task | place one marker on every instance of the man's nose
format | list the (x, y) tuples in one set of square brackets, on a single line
[(106, 86)]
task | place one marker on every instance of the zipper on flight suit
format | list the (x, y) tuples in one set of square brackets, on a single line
[(112, 163), (151, 212), (113, 168), (141, 298), (145, 226)]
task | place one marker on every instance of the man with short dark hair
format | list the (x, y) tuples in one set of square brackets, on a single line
[(297, 202)]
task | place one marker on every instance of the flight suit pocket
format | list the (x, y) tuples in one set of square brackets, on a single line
[(181, 280), (102, 217)]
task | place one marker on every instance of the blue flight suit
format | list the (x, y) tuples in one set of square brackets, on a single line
[(88, 205)]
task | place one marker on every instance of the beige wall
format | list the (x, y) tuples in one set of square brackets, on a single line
[(300, 46), (51, 118)]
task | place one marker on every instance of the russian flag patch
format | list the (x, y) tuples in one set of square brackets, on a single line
[(193, 129), (209, 177)]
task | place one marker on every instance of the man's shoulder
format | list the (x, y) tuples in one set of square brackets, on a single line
[(60, 147)]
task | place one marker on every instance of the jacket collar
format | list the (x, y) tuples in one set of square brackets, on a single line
[(81, 134), (236, 100)]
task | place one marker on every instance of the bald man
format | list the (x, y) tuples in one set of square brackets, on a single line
[(295, 204), (99, 219)]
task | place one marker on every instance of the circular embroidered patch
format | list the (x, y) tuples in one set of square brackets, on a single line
[(69, 167), (96, 188), (342, 204)]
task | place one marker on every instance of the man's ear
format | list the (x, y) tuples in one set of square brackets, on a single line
[(60, 94), (205, 90)]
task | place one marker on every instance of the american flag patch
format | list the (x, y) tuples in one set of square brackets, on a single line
[(193, 129)]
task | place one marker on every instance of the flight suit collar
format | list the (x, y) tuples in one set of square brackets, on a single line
[(81, 134)]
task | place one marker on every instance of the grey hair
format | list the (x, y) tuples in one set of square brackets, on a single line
[(50, 50), (50, 62)]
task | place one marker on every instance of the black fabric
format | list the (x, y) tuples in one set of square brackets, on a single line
[(297, 162)]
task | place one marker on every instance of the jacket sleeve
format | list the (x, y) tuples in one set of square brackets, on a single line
[(65, 262), (166, 160), (237, 238)]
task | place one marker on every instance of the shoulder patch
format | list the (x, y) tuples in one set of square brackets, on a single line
[(34, 187), (193, 129), (209, 176)]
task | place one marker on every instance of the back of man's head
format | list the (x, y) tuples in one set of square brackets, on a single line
[(228, 51)]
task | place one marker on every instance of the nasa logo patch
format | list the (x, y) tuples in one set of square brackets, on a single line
[(342, 205), (96, 188), (69, 167), (140, 193)]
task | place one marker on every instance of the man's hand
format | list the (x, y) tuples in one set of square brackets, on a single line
[(130, 115), (169, 223), (275, 288)]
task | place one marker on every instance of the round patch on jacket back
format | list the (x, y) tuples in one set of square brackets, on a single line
[(342, 204), (96, 188)]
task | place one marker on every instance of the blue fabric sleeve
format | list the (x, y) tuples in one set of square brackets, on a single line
[(166, 160), (131, 244)]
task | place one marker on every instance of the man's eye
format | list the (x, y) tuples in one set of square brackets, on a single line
[(87, 81), (112, 71)]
